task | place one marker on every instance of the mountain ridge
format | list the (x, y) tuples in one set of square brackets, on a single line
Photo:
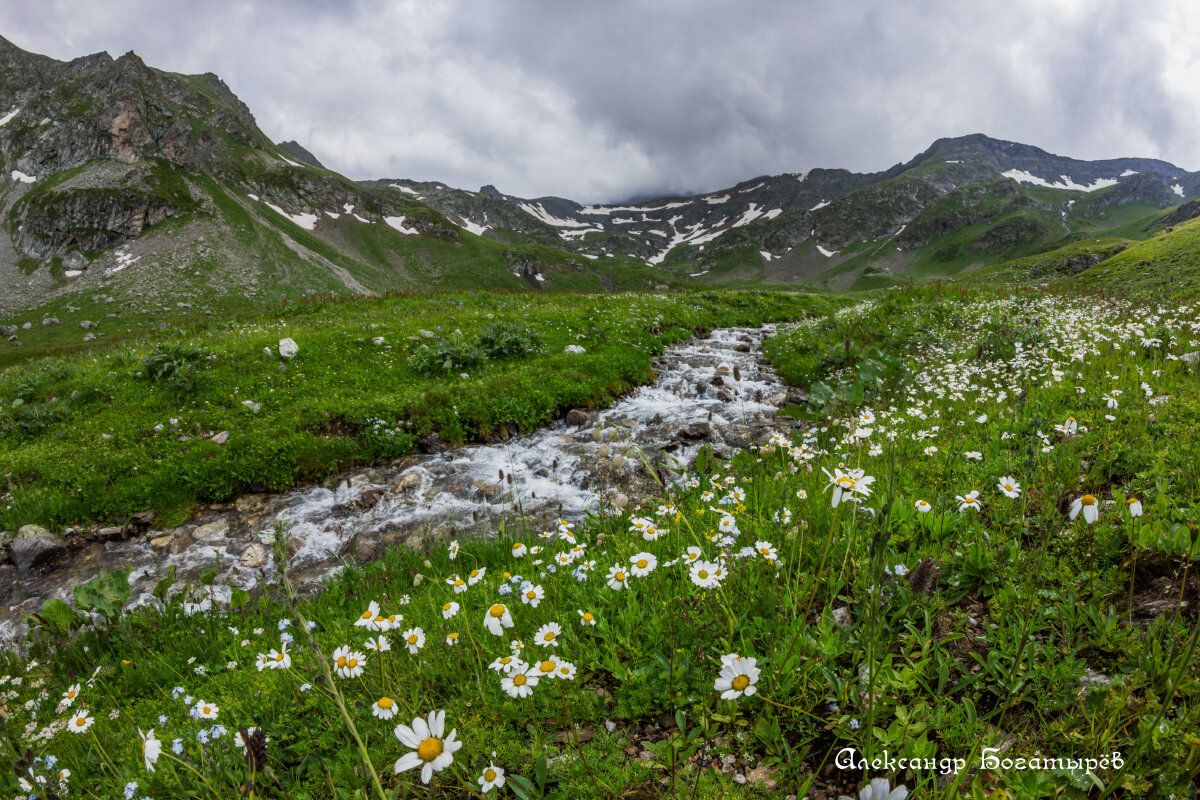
[(147, 194)]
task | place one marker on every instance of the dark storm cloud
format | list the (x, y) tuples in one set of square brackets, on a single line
[(607, 100)]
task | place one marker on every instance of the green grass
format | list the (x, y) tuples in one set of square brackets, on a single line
[(1167, 264), (92, 438), (872, 626)]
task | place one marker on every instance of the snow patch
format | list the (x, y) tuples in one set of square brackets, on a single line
[(1128, 172), (773, 213), (332, 214), (827, 253), (306, 221), (472, 227), (751, 214), (17, 175), (698, 274), (293, 163), (712, 201), (1177, 189), (1065, 181), (585, 255), (956, 161), (72, 273), (398, 224), (123, 259), (752, 188), (819, 205), (539, 212), (7, 117), (403, 188), (766, 256), (611, 209), (253, 197)]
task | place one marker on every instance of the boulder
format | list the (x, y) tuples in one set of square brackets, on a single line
[(212, 532), (220, 438), (1191, 358), (577, 417), (431, 444), (256, 556), (288, 348), (48, 321), (87, 323), (35, 547)]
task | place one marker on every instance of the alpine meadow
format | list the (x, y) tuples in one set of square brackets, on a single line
[(830, 485)]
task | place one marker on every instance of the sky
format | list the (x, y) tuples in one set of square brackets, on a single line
[(612, 100)]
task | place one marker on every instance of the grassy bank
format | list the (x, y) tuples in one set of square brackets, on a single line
[(108, 433), (949, 565)]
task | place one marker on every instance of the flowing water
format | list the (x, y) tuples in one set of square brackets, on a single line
[(717, 390)]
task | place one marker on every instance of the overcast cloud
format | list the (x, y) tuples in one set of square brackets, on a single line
[(603, 101)]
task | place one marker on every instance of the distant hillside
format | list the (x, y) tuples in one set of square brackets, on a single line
[(132, 197)]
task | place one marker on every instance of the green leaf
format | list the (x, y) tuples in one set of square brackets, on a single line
[(209, 573), (239, 598), (57, 616), (162, 587), (105, 594)]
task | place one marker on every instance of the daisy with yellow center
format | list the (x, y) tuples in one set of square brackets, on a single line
[(643, 564), (449, 610), (81, 722), (384, 708), (617, 577), (586, 618), (923, 507), (533, 596), (520, 684), (705, 574), (547, 635), (414, 639), (433, 750), (492, 778), (1088, 505), (497, 618), (367, 618), (970, 500), (737, 678)]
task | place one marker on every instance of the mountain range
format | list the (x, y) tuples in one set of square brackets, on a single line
[(132, 197)]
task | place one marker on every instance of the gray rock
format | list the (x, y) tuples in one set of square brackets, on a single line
[(48, 321), (27, 326), (431, 444), (256, 556), (87, 337), (377, 340), (253, 406), (577, 417), (35, 547), (288, 348), (212, 532), (841, 617), (220, 438), (87, 323), (1191, 358)]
